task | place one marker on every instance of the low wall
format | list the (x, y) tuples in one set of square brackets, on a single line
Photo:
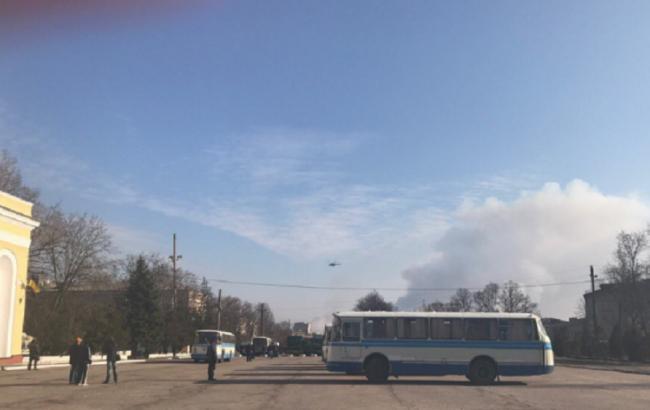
[(63, 361)]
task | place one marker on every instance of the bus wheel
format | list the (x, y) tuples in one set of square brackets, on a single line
[(482, 371), (377, 370)]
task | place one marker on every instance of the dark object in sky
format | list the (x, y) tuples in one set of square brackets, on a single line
[(333, 264)]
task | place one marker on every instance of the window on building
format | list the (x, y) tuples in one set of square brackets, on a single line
[(412, 328), (447, 328), (378, 328), (480, 329), (351, 331), (517, 329)]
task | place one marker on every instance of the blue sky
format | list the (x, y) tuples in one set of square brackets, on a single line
[(274, 137)]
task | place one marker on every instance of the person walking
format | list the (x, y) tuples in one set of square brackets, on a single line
[(34, 354), (85, 360), (74, 351), (212, 358), (110, 351)]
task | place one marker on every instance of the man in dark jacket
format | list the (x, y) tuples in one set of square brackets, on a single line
[(250, 352), (111, 357), (34, 354), (75, 354), (212, 358), (85, 356)]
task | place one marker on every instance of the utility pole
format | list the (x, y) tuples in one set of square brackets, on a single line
[(219, 310), (174, 258), (262, 318), (593, 299)]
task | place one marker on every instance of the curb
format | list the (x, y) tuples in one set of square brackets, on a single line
[(58, 365)]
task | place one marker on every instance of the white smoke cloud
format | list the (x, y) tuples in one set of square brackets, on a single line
[(551, 235)]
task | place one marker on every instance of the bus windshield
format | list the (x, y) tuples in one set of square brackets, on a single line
[(204, 338), (260, 341)]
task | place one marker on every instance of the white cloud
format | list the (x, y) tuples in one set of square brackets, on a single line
[(321, 224), (550, 235)]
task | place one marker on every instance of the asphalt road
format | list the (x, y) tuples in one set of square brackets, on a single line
[(303, 383)]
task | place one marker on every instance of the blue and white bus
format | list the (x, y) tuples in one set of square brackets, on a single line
[(480, 346), (225, 345)]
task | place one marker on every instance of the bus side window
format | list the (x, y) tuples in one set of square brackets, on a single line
[(351, 331), (480, 329), (408, 328), (447, 328), (378, 328), (517, 329)]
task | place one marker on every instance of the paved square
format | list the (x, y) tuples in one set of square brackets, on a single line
[(303, 383)]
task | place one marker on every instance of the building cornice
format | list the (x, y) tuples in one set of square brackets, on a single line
[(18, 218)]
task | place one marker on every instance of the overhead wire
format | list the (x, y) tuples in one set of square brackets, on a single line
[(383, 289)]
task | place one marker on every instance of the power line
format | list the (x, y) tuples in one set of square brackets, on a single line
[(389, 289)]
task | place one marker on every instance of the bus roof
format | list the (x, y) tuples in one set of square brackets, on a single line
[(490, 315), (223, 332)]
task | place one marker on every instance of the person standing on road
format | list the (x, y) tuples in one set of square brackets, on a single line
[(111, 357), (84, 363), (212, 358), (75, 355), (34, 354), (250, 354)]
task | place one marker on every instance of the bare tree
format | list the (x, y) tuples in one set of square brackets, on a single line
[(486, 300), (512, 299), (581, 308), (69, 249), (628, 266), (438, 306), (208, 309), (626, 272), (248, 320), (462, 301), (280, 331), (11, 180)]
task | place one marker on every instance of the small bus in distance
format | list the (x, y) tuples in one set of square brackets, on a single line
[(261, 345), (225, 345)]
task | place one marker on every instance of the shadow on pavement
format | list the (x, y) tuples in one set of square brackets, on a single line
[(285, 368), (40, 384), (339, 382), (167, 361), (599, 386), (280, 373)]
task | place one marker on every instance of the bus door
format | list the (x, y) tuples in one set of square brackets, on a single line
[(351, 335)]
